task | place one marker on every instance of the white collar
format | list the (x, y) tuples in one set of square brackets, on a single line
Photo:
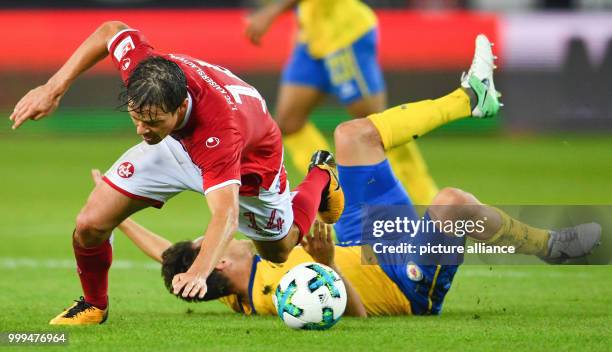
[(188, 113)]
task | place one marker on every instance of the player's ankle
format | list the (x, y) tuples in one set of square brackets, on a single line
[(473, 97)]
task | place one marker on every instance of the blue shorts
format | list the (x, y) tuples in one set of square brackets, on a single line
[(350, 73), (425, 286)]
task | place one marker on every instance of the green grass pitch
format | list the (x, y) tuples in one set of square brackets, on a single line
[(45, 180)]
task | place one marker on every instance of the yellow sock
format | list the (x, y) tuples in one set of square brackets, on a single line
[(526, 239), (302, 144), (410, 168), (404, 123)]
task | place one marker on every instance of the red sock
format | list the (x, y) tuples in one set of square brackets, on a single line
[(306, 201), (92, 266)]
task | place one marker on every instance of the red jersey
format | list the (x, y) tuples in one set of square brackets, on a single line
[(228, 131)]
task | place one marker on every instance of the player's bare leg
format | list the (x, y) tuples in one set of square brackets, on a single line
[(358, 143), (294, 106), (552, 246), (300, 137), (403, 124), (319, 192), (278, 251), (406, 161), (105, 209), (368, 105)]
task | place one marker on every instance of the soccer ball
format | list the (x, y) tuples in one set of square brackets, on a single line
[(310, 296)]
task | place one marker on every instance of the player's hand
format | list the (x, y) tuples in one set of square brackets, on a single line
[(257, 24), (320, 243), (96, 175), (189, 285), (38, 103)]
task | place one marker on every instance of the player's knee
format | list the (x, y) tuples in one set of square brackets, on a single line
[(89, 230), (453, 203), (355, 133), (452, 196)]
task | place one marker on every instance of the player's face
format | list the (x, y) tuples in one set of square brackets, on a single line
[(154, 125)]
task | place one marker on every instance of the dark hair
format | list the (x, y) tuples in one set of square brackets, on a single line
[(178, 258), (155, 82)]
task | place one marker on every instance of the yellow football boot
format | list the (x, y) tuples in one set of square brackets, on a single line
[(81, 313), (332, 197)]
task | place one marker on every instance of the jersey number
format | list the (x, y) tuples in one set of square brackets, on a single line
[(274, 223), (237, 90)]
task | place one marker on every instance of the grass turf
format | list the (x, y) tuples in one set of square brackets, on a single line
[(45, 180)]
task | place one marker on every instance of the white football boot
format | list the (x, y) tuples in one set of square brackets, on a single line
[(479, 78)]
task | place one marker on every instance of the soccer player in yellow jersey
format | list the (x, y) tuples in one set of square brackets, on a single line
[(245, 282), (336, 54)]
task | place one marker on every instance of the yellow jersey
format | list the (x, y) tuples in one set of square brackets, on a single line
[(329, 25), (380, 295)]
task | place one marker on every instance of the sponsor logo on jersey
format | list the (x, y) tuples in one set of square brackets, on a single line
[(212, 142), (123, 48), (125, 170), (207, 78), (414, 272), (125, 63)]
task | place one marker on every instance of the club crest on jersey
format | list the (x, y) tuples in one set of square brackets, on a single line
[(414, 272), (125, 63), (123, 48), (125, 170), (212, 142)]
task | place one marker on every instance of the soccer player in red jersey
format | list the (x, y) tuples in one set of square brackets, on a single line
[(205, 130)]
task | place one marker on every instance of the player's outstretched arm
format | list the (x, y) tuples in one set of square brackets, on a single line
[(320, 245), (44, 100), (258, 23), (147, 241), (223, 205)]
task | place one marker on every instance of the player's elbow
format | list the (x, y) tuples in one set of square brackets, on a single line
[(108, 29)]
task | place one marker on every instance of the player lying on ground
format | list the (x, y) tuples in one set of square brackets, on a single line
[(246, 283), (336, 54), (205, 130), (368, 180)]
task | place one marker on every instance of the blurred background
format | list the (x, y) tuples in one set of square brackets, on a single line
[(550, 145), (555, 56)]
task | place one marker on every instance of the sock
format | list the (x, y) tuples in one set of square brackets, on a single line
[(410, 168), (92, 266), (407, 122), (526, 239), (306, 202), (301, 144)]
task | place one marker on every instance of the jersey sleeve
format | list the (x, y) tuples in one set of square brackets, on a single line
[(218, 155), (127, 48)]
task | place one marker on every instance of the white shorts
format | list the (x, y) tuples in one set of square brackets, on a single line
[(156, 173)]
